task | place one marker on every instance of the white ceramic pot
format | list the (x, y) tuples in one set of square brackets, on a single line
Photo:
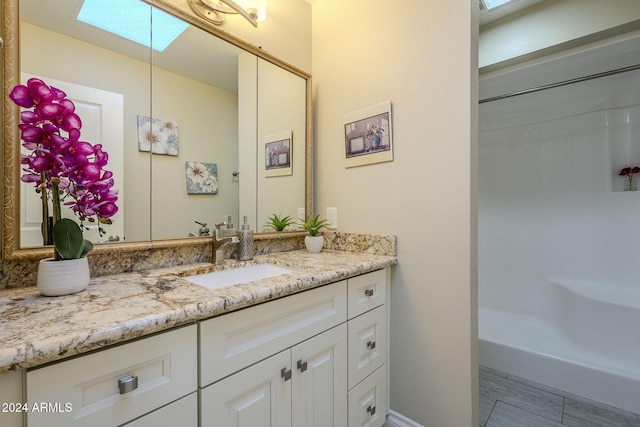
[(63, 277), (314, 243)]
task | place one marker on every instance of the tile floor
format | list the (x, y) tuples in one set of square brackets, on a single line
[(509, 401)]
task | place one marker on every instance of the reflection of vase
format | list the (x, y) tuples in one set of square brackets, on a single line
[(314, 243), (375, 142), (630, 183), (62, 277)]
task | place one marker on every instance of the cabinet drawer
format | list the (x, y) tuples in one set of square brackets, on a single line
[(85, 391), (367, 344), (366, 292), (233, 341), (368, 401)]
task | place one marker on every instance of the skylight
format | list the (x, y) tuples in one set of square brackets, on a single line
[(491, 4), (131, 19)]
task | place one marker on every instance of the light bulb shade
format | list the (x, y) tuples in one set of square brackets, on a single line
[(259, 7)]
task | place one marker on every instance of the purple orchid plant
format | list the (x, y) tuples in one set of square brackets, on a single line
[(62, 167)]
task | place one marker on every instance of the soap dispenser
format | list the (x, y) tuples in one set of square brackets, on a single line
[(245, 246), (229, 224)]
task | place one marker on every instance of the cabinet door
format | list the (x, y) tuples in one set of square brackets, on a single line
[(368, 401), (367, 344), (11, 399), (320, 380), (258, 396)]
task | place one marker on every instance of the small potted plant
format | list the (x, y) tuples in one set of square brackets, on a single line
[(65, 171), (630, 183), (278, 223), (313, 224)]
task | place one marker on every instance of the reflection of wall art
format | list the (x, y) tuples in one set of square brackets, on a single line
[(277, 154), (157, 136), (367, 135), (202, 178)]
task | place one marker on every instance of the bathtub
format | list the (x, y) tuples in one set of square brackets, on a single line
[(585, 341)]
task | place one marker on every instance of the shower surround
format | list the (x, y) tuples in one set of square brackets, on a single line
[(559, 238)]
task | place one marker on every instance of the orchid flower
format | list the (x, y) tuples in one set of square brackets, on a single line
[(58, 162)]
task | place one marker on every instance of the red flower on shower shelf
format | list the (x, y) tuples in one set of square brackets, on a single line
[(628, 172), (58, 163)]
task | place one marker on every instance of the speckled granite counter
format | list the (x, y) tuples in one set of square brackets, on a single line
[(35, 330)]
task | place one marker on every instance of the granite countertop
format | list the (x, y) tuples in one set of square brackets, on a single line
[(35, 329)]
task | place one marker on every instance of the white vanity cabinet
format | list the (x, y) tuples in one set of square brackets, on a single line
[(317, 358), (259, 366), (117, 385)]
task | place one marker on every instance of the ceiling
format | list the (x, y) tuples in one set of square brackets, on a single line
[(195, 53)]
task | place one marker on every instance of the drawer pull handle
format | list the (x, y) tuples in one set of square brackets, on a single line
[(371, 410), (128, 383), (371, 344), (368, 292), (302, 366), (286, 374)]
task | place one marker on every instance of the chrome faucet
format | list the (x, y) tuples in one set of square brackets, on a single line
[(219, 242)]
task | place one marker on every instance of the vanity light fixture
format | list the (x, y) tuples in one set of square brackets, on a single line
[(216, 11)]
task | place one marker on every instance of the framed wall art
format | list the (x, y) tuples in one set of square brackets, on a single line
[(277, 154), (202, 178), (157, 136), (368, 136)]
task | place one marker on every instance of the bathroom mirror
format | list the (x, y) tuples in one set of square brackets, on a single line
[(231, 133)]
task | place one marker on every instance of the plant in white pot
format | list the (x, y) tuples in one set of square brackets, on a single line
[(65, 171), (313, 224)]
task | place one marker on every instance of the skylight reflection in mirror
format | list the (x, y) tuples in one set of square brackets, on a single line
[(130, 19)]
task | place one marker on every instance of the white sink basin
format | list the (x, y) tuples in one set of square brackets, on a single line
[(234, 276)]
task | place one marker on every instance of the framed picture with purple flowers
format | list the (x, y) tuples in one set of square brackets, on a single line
[(367, 135)]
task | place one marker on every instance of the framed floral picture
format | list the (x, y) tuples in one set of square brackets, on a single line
[(157, 136), (277, 154), (202, 178), (367, 135)]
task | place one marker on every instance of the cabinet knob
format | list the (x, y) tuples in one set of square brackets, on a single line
[(371, 344), (371, 410), (128, 383), (286, 374), (368, 292), (302, 366)]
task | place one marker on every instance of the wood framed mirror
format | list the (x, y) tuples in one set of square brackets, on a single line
[(252, 206)]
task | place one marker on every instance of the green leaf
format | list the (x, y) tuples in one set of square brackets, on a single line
[(67, 239), (86, 248), (313, 224)]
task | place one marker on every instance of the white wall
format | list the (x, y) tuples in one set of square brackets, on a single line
[(552, 23), (365, 52)]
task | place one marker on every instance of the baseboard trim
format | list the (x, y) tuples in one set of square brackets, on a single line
[(395, 419)]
